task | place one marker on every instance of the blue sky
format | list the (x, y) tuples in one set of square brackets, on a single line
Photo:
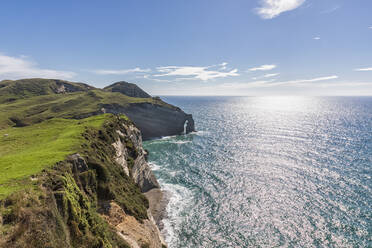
[(193, 47)]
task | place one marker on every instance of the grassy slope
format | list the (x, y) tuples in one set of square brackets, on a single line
[(12, 90), (72, 105), (39, 127), (28, 150), (61, 210), (50, 127)]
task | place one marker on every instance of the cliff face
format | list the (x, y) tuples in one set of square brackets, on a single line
[(155, 120), (92, 199)]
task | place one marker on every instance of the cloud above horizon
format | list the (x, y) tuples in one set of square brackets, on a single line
[(300, 81), (203, 73), (272, 83), (263, 68), (121, 72), (272, 8), (21, 67), (364, 69)]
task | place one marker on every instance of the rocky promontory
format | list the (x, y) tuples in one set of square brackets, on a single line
[(73, 171)]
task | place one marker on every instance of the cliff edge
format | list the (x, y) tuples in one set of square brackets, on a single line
[(92, 198), (73, 172)]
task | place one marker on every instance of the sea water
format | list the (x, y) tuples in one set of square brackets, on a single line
[(268, 172)]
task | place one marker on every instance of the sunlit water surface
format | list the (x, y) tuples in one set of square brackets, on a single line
[(269, 172)]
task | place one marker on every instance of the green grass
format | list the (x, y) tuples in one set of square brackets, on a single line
[(73, 105), (28, 150), (12, 90)]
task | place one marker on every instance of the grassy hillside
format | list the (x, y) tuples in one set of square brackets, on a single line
[(41, 103), (46, 201), (12, 90), (28, 150)]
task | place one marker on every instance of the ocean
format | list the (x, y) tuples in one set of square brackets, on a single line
[(268, 172)]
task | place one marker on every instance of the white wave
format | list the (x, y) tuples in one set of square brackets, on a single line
[(180, 198), (154, 166), (180, 142), (200, 133), (168, 137)]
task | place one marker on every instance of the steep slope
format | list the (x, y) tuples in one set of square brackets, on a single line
[(86, 193)]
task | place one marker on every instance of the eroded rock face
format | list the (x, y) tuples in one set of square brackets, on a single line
[(140, 171), (78, 163), (154, 120), (136, 234)]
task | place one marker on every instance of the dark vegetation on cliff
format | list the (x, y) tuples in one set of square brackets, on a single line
[(58, 168), (58, 204), (128, 89)]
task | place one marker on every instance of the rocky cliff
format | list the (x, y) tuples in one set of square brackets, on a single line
[(94, 198), (155, 120)]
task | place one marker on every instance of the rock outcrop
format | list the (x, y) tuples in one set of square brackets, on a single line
[(140, 170), (155, 120)]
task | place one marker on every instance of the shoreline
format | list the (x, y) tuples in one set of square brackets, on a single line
[(158, 202)]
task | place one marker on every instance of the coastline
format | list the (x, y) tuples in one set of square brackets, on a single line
[(158, 202)]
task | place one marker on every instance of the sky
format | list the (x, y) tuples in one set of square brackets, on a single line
[(193, 47)]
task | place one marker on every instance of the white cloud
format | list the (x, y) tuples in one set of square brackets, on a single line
[(316, 38), (120, 72), (16, 68), (271, 75), (266, 76), (263, 68), (272, 83), (364, 69), (196, 72), (300, 81), (272, 8), (223, 65), (370, 27), (331, 10), (156, 80)]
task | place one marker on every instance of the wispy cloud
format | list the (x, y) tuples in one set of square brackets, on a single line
[(273, 8), (266, 76), (263, 68), (370, 27), (316, 38), (271, 75), (333, 9), (196, 72), (156, 79), (300, 81), (121, 72), (272, 83), (21, 67), (364, 69)]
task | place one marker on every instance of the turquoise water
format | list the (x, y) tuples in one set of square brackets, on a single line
[(269, 172)]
